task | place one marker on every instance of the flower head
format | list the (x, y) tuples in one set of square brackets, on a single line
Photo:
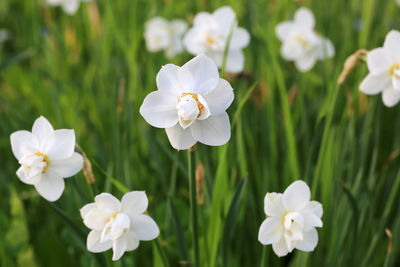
[(118, 225), (301, 43), (291, 220), (160, 34), (190, 104), (46, 157), (70, 6), (384, 70), (210, 35)]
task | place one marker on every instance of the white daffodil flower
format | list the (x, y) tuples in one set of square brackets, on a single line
[(190, 103), (118, 225), (70, 6), (46, 157), (384, 70), (160, 34), (291, 220), (210, 35), (301, 43)]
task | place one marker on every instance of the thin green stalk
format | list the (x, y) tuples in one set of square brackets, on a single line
[(193, 210)]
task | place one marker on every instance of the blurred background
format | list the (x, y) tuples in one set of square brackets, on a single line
[(91, 71)]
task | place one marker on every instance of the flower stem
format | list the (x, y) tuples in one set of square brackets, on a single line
[(193, 209)]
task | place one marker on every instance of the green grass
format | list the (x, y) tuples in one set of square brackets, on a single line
[(92, 75)]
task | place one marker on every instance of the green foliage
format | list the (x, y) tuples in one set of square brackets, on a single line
[(91, 71)]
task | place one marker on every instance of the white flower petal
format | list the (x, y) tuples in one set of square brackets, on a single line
[(193, 41), (167, 79), (220, 98), (390, 97), (22, 177), (204, 20), (392, 43), (96, 218), (214, 131), (283, 30), (179, 26), (280, 248), (186, 80), (235, 61), (107, 201), (18, 139), (273, 205), (326, 49), (50, 186), (94, 245), (310, 221), (378, 61), (60, 144), (271, 231), (144, 227), (71, 6), (85, 209), (296, 196), (374, 84), (133, 242), (314, 207), (159, 109), (304, 17), (309, 242), (306, 62), (179, 138), (67, 167), (225, 17), (119, 247), (240, 39), (134, 203), (42, 129), (204, 72)]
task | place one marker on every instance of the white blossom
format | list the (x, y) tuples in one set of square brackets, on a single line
[(118, 225), (160, 34), (210, 35), (46, 157), (190, 103), (69, 6), (301, 43), (384, 70), (291, 220)]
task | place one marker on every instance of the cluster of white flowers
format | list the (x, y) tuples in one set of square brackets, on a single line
[(301, 43), (211, 34), (384, 70), (69, 6), (291, 220)]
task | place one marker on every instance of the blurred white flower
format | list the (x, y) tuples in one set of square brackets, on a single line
[(3, 35), (46, 157), (398, 2), (118, 225), (301, 43), (291, 220), (70, 6), (190, 103), (160, 34), (384, 70), (210, 35)]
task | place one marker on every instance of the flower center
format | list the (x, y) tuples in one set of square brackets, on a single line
[(115, 227), (395, 71), (44, 160), (209, 40), (186, 98)]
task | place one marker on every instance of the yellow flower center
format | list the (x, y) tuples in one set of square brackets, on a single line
[(195, 97), (45, 160), (112, 216), (395, 70), (209, 40)]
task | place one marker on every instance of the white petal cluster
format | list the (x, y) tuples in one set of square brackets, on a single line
[(384, 70), (210, 35), (190, 103), (118, 225), (160, 34), (46, 157), (301, 43), (291, 220), (69, 6)]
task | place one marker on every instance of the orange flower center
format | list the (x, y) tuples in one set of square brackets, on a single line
[(195, 97)]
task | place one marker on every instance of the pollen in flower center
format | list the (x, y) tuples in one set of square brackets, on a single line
[(45, 160), (189, 106), (395, 71), (115, 226), (209, 40)]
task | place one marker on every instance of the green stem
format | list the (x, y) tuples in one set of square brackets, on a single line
[(193, 209)]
